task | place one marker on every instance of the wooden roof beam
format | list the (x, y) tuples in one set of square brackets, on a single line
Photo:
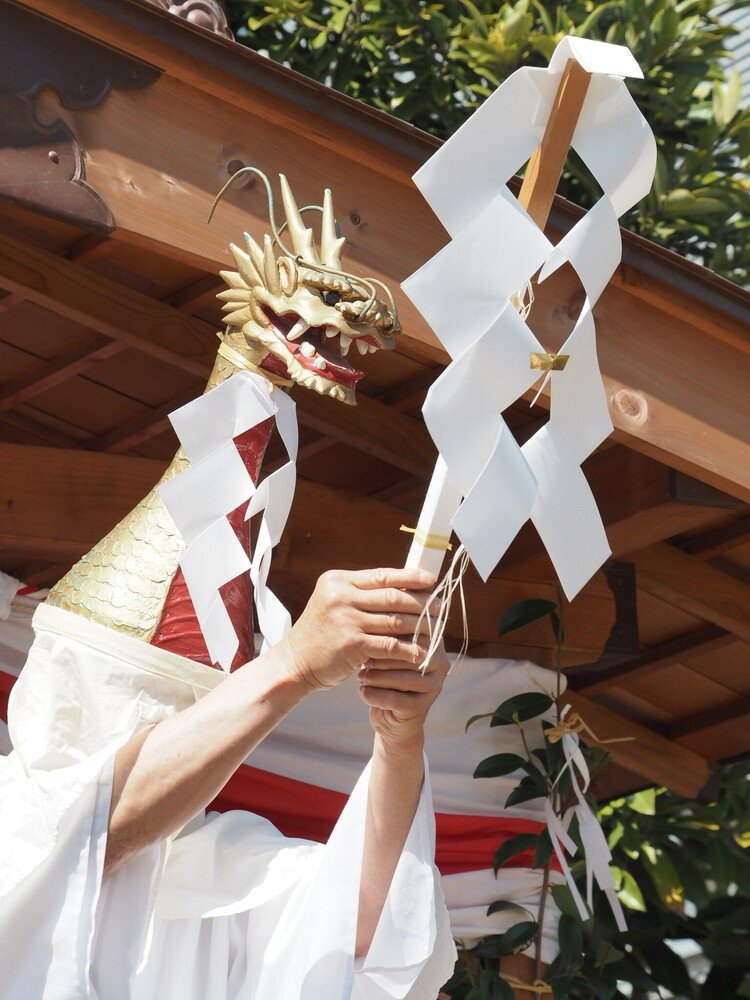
[(676, 383), (52, 373), (668, 654), (96, 302), (696, 587)]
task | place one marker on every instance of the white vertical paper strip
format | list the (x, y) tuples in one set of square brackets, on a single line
[(216, 483)]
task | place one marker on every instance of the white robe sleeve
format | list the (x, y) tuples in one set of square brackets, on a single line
[(229, 910), (245, 912)]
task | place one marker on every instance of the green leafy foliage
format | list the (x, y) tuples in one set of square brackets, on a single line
[(681, 871), (433, 62)]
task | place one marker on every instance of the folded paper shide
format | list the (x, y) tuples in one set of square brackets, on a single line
[(486, 486)]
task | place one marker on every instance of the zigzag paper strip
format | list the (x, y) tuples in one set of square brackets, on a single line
[(464, 293), (213, 554)]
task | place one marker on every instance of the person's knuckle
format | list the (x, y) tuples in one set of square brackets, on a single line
[(396, 623), (392, 598), (379, 577)]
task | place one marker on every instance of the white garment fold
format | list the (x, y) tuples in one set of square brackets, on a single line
[(228, 909)]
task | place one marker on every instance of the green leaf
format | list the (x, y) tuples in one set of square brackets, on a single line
[(514, 939), (570, 942), (564, 901), (526, 790), (501, 990), (543, 850), (631, 971), (505, 904), (667, 968), (644, 802), (498, 765), (476, 718), (511, 848), (521, 708), (524, 613), (729, 952), (629, 892), (606, 953)]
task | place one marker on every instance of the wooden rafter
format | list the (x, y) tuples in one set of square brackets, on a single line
[(9, 301), (668, 654), (98, 303), (197, 295), (737, 707), (719, 541), (141, 427), (695, 587), (90, 248), (54, 372)]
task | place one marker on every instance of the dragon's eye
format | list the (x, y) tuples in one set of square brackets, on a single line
[(331, 298)]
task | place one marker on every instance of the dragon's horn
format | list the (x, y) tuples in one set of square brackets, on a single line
[(246, 266), (331, 244), (273, 282), (256, 254), (301, 236)]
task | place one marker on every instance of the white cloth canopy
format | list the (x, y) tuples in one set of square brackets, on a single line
[(229, 908)]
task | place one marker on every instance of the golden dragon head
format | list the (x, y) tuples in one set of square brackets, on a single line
[(293, 311)]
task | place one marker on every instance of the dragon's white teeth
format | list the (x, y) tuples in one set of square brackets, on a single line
[(298, 329), (320, 363), (362, 347), (345, 343), (307, 349), (331, 331), (372, 348)]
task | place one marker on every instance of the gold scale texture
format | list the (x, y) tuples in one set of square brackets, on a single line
[(123, 581)]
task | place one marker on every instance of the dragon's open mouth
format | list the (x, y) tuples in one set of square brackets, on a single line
[(322, 350)]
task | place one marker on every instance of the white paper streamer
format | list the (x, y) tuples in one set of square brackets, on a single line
[(217, 482), (463, 293), (595, 848)]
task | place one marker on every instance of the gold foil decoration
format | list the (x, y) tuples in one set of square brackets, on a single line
[(542, 362)]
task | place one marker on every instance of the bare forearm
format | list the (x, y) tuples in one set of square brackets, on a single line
[(395, 787), (165, 776)]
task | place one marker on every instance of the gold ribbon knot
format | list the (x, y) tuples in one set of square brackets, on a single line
[(542, 362)]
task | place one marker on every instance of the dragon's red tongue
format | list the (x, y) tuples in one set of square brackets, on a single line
[(338, 368)]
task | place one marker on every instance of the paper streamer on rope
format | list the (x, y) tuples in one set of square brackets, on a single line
[(217, 482), (464, 293), (595, 847)]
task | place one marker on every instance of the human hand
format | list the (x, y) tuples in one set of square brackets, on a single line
[(352, 618), (401, 695)]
